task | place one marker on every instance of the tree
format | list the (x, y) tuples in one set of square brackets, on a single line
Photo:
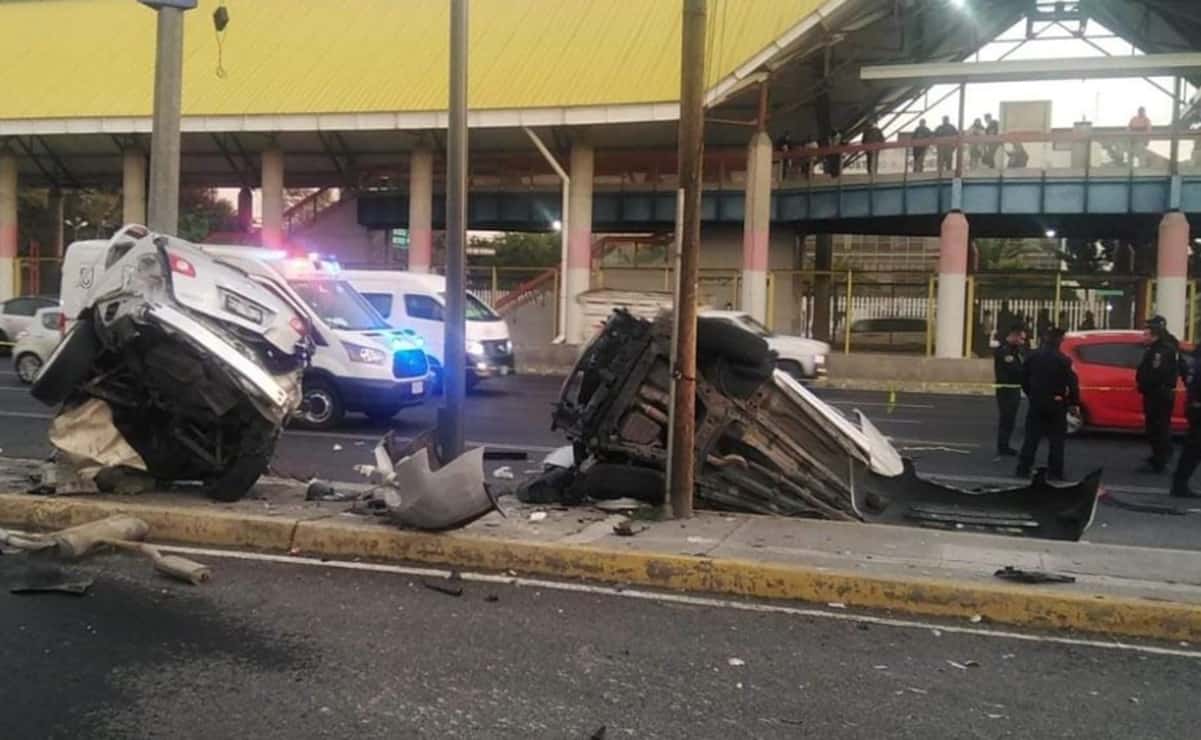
[(1000, 255), (201, 213), (519, 249)]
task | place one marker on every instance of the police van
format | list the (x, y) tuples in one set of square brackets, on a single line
[(417, 301), (359, 363)]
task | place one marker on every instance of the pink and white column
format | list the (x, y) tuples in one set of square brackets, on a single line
[(579, 242), (8, 223), (421, 210), (273, 197), (1171, 287), (756, 227), (952, 286), (133, 187)]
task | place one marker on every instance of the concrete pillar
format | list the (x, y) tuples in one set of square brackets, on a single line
[(133, 187), (421, 210), (579, 241), (273, 197), (8, 224), (952, 285), (245, 210), (54, 206), (823, 261), (1171, 288), (756, 226)]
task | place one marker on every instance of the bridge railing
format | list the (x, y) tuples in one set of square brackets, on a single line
[(1095, 152)]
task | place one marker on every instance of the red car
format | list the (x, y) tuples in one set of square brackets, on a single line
[(1105, 362)]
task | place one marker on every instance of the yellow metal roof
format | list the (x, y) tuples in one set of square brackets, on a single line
[(94, 58)]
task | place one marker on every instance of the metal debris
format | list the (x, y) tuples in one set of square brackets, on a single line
[(1019, 575)]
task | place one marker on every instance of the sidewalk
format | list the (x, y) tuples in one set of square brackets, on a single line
[(1119, 590)]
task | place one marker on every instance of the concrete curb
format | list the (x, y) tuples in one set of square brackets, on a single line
[(338, 538)]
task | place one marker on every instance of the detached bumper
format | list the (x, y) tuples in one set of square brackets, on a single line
[(358, 394)]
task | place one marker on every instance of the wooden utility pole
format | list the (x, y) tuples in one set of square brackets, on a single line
[(681, 466)]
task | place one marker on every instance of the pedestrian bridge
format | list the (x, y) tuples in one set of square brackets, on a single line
[(1080, 185)]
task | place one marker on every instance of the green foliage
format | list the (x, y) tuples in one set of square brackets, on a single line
[(201, 213), (519, 249)]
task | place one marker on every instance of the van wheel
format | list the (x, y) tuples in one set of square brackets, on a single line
[(28, 366), (5, 350), (323, 407), (68, 365)]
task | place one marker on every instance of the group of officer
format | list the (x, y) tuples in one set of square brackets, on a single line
[(1053, 391)]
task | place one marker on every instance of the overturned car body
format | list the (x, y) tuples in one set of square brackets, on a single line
[(198, 364), (765, 444)]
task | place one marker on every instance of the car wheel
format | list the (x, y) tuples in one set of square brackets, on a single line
[(5, 349), (68, 365), (28, 366), (1075, 422), (257, 447), (793, 368), (323, 408)]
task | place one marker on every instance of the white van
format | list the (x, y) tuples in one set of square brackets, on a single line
[(359, 363), (417, 301)]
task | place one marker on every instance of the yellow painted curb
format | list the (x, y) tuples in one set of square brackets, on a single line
[(1005, 604)]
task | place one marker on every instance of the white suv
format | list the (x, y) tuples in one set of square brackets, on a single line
[(37, 342)]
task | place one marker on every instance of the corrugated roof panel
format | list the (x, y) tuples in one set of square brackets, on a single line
[(85, 58)]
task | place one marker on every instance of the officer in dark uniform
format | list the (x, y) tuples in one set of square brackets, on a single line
[(1008, 358), (1190, 452), (1156, 378), (1051, 389)]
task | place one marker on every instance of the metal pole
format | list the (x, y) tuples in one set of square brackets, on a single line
[(564, 230), (959, 148), (1174, 167), (691, 157), (450, 421), (849, 313), (164, 136)]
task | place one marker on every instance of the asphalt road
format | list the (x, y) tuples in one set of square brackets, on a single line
[(950, 436), (273, 650)]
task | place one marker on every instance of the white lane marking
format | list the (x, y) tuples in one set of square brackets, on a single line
[(893, 420), (382, 432), (682, 599), (933, 442), (882, 404), (14, 389), (26, 415)]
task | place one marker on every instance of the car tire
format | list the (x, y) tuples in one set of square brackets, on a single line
[(257, 448), (717, 337), (27, 366), (5, 349), (620, 480), (323, 406), (792, 368), (68, 365)]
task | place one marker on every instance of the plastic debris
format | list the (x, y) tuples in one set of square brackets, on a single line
[(976, 619), (955, 664), (503, 473), (319, 490), (337, 448), (736, 662), (563, 457), (836, 605), (537, 516)]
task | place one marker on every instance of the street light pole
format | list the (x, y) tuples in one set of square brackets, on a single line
[(450, 416), (691, 149), (168, 95)]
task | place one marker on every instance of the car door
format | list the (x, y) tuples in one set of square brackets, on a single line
[(1107, 383), (424, 315)]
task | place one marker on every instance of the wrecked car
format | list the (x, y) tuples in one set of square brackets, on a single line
[(766, 444), (198, 365)]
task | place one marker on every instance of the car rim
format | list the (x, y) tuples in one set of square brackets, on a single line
[(28, 368), (320, 407)]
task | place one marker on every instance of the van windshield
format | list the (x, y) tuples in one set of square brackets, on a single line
[(477, 310), (338, 304)]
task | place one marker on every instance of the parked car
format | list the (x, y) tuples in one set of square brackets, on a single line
[(417, 301), (884, 335), (803, 359), (37, 343), (17, 315), (1105, 362)]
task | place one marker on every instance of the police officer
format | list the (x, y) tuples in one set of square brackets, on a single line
[(1190, 452), (1156, 378), (1008, 358), (1051, 389)]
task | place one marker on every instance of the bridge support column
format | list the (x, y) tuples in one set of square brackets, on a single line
[(273, 197), (245, 210), (823, 262), (8, 224), (579, 241), (421, 210), (952, 285), (133, 187), (1171, 289), (756, 226)]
